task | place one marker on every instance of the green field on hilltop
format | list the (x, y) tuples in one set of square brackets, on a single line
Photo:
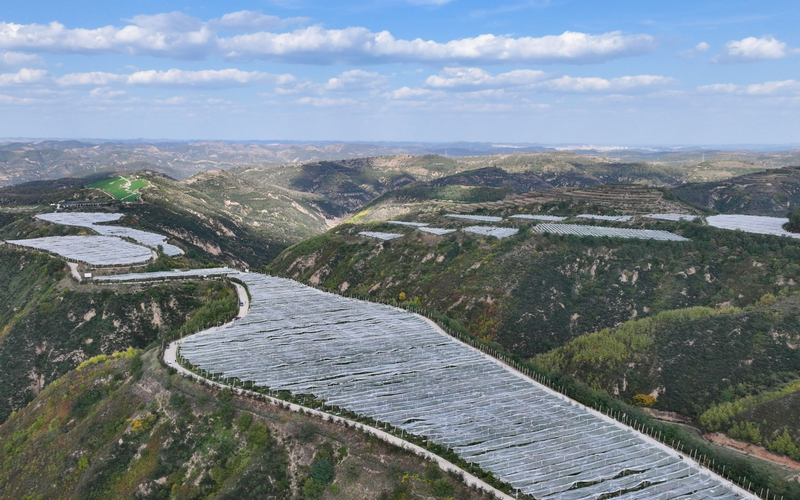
[(123, 188)]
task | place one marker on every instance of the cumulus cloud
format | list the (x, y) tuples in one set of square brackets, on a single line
[(150, 78), (409, 93), (357, 45), (356, 80), (533, 80), (25, 76), (753, 49), (694, 51), (10, 60), (476, 77), (250, 21), (179, 36), (776, 88)]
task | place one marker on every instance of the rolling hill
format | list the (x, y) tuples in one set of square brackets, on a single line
[(773, 192)]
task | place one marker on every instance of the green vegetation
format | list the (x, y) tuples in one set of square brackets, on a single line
[(49, 326), (750, 349), (122, 188), (773, 192), (101, 432)]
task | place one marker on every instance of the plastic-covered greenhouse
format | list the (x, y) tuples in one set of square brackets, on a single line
[(397, 367), (608, 232)]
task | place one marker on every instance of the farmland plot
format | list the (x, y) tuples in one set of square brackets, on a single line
[(608, 232), (90, 220), (397, 367), (752, 224), (94, 250)]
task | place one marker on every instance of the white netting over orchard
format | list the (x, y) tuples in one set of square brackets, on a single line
[(752, 224), (381, 236), (480, 218), (91, 219), (613, 218), (550, 218), (497, 232), (671, 217), (397, 367), (93, 250), (437, 230), (608, 232)]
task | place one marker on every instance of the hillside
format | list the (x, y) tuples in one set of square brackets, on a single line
[(731, 351), (773, 192), (534, 292), (49, 324), (126, 428)]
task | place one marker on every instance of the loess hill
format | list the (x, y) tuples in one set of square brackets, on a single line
[(124, 427)]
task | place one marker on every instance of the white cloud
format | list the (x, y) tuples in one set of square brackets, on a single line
[(694, 51), (359, 45), (476, 77), (17, 60), (179, 36), (249, 21), (356, 80), (622, 84), (223, 78), (93, 79), (776, 88), (213, 78), (753, 49), (25, 76), (7, 99), (533, 80), (409, 93), (324, 102)]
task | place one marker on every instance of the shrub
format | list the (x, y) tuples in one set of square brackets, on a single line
[(645, 400)]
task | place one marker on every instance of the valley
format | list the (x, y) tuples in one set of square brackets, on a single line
[(608, 280)]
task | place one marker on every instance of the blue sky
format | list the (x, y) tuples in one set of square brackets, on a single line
[(578, 72)]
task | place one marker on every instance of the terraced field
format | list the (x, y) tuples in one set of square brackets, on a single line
[(399, 368)]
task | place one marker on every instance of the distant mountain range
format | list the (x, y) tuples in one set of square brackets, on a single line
[(23, 161)]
